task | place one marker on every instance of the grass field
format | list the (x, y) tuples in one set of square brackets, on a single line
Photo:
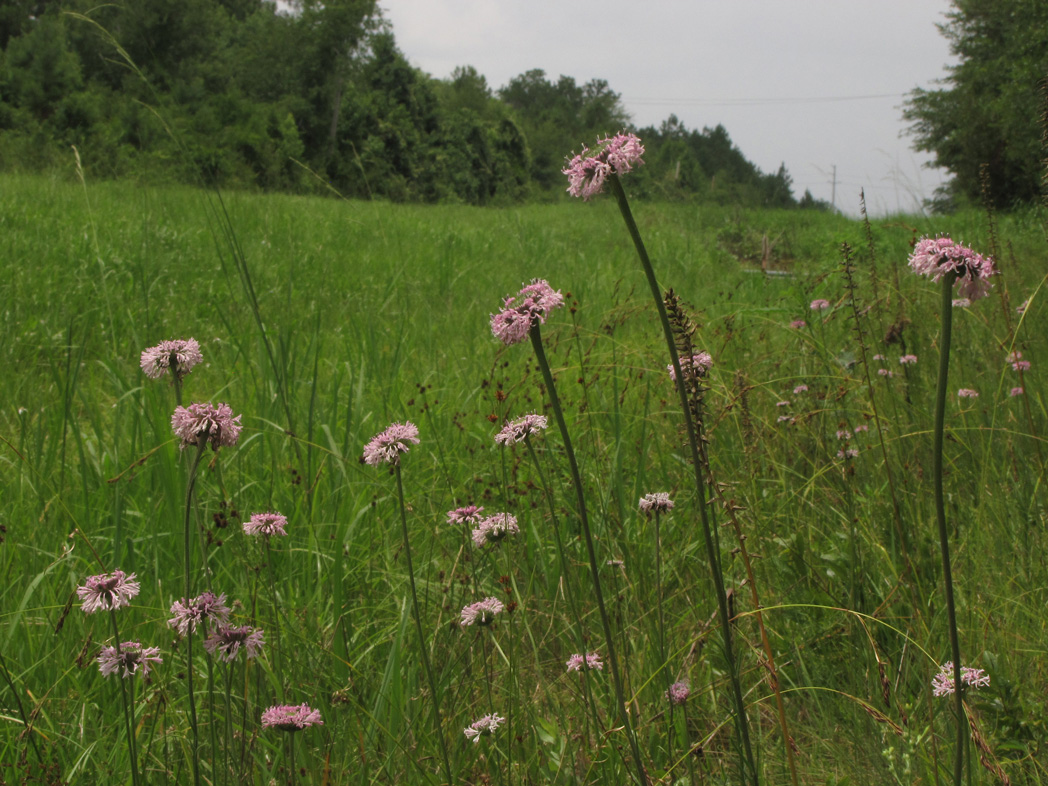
[(321, 322)]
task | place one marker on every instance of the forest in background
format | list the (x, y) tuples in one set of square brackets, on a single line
[(317, 96)]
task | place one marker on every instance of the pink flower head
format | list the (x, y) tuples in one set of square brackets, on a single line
[(521, 428), (287, 717), (482, 612), (487, 725), (678, 693), (588, 170), (967, 393), (936, 256), (531, 305), (961, 302), (879, 357), (850, 453), (225, 642), (782, 403), (943, 683), (819, 304), (1015, 392), (495, 528), (127, 660), (107, 591), (908, 360), (592, 661), (797, 324), (843, 433), (697, 365), (267, 524), (1018, 364), (216, 425), (467, 515), (885, 373), (204, 607), (658, 502), (800, 389), (785, 419), (386, 447), (178, 357), (861, 427)]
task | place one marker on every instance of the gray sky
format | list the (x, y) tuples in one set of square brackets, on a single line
[(808, 83)]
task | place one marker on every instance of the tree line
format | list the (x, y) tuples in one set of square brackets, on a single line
[(315, 95)]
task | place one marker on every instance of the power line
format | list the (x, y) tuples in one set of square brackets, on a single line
[(757, 101)]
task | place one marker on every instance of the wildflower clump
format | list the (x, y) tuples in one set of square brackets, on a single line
[(487, 725), (530, 306), (217, 426), (177, 356), (943, 683), (107, 591), (588, 170), (289, 717), (385, 448), (936, 257)]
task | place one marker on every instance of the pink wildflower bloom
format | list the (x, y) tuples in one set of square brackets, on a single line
[(678, 693), (467, 515), (935, 257), (225, 642), (591, 661), (786, 419), (967, 393), (385, 448), (819, 305), (800, 389), (588, 170), (267, 524), (482, 612), (961, 302), (288, 717), (698, 365), (107, 591), (907, 360), (178, 357), (797, 324), (495, 528), (130, 659), (519, 312), (849, 453), (885, 373), (861, 427), (658, 502), (1015, 392), (215, 424), (879, 357), (843, 434), (487, 725), (204, 607), (944, 685), (1018, 364), (520, 429)]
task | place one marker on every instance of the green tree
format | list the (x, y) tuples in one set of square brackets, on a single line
[(988, 113)]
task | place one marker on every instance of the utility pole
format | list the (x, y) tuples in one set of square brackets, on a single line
[(833, 197)]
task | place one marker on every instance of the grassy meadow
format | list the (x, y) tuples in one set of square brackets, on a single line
[(323, 321)]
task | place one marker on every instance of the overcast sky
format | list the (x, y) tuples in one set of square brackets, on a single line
[(808, 83)]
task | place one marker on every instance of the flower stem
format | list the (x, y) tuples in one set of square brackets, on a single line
[(620, 699), (421, 636), (187, 543), (712, 557), (129, 708), (940, 514)]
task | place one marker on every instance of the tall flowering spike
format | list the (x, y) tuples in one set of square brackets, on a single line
[(467, 515), (487, 725), (482, 612), (226, 642), (131, 659), (697, 365), (936, 256), (217, 426), (385, 448), (203, 608), (267, 524), (591, 661), (520, 429), (288, 717), (943, 683), (177, 356), (588, 170), (107, 591), (659, 502), (519, 312), (495, 528)]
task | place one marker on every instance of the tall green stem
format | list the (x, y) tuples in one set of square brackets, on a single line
[(741, 723), (940, 515), (187, 544), (620, 699), (423, 647), (129, 708)]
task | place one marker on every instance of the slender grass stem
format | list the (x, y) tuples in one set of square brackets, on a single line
[(277, 662), (712, 557), (940, 515), (126, 686)]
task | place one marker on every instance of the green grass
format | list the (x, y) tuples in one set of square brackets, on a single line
[(376, 313)]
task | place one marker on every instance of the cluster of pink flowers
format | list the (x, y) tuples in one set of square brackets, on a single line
[(107, 591), (227, 642), (203, 608), (1015, 392), (288, 717), (129, 659), (520, 429), (467, 515), (848, 453), (216, 425), (967, 393), (267, 524), (528, 307), (885, 373), (591, 661), (482, 612), (177, 356), (819, 305), (487, 725), (385, 448), (588, 170), (797, 324), (659, 502), (800, 389), (678, 693), (1018, 364), (943, 683), (907, 360), (843, 433), (783, 403), (936, 257), (697, 365), (494, 528), (961, 302), (861, 427)]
